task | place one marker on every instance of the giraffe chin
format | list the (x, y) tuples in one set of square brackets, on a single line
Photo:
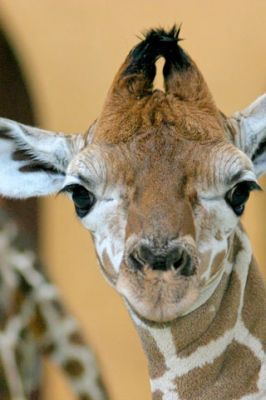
[(161, 299)]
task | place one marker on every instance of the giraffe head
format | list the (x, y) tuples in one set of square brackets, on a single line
[(160, 180)]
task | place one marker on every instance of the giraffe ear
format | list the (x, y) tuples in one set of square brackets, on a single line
[(250, 126), (33, 162)]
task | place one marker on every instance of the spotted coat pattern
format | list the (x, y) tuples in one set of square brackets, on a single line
[(219, 350), (161, 180), (34, 323)]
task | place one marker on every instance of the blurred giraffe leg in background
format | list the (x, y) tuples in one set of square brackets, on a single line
[(34, 322), (33, 319)]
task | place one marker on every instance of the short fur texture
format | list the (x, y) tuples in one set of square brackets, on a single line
[(35, 324), (170, 175)]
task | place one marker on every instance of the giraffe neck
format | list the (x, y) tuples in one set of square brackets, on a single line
[(218, 350)]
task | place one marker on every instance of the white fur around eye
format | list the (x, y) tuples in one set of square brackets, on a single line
[(107, 223), (223, 217)]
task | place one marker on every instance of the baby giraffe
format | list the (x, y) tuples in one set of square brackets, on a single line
[(161, 181)]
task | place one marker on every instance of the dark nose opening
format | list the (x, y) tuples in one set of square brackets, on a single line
[(175, 258)]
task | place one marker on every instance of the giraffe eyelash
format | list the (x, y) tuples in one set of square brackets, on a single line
[(239, 195), (83, 199)]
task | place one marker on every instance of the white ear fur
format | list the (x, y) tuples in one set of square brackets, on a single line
[(250, 125), (33, 161)]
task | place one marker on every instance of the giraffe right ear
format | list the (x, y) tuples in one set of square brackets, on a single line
[(33, 162), (250, 133)]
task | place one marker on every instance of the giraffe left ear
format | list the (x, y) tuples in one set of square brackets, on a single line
[(250, 133), (33, 162)]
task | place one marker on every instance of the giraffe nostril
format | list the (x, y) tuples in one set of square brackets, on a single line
[(175, 259), (135, 262), (177, 264), (188, 267)]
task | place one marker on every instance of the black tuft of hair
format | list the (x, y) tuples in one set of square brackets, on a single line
[(158, 43)]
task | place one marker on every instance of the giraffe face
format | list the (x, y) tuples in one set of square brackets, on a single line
[(160, 186), (160, 217), (160, 180)]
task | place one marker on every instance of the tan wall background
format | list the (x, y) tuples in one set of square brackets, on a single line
[(70, 50)]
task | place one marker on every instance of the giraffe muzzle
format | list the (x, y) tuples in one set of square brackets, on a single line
[(159, 276)]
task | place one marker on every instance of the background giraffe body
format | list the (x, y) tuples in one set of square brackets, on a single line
[(161, 180), (34, 323)]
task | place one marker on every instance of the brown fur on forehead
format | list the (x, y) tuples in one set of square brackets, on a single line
[(160, 157), (122, 120), (181, 166)]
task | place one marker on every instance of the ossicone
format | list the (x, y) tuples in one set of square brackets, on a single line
[(181, 75)]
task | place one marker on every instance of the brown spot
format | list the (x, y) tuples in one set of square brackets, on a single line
[(224, 318), (49, 348), (214, 380), (185, 337), (19, 356), (236, 247), (218, 236), (18, 299), (85, 397), (4, 391), (35, 394), (216, 264), (157, 365), (59, 308), (76, 338), (73, 367), (23, 284), (210, 325), (253, 314), (38, 323), (158, 395), (204, 262)]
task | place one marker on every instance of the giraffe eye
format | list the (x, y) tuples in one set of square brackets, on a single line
[(239, 194), (82, 198)]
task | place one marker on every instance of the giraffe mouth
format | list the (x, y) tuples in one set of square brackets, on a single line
[(158, 296)]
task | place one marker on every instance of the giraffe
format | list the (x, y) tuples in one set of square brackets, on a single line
[(161, 180), (35, 323)]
